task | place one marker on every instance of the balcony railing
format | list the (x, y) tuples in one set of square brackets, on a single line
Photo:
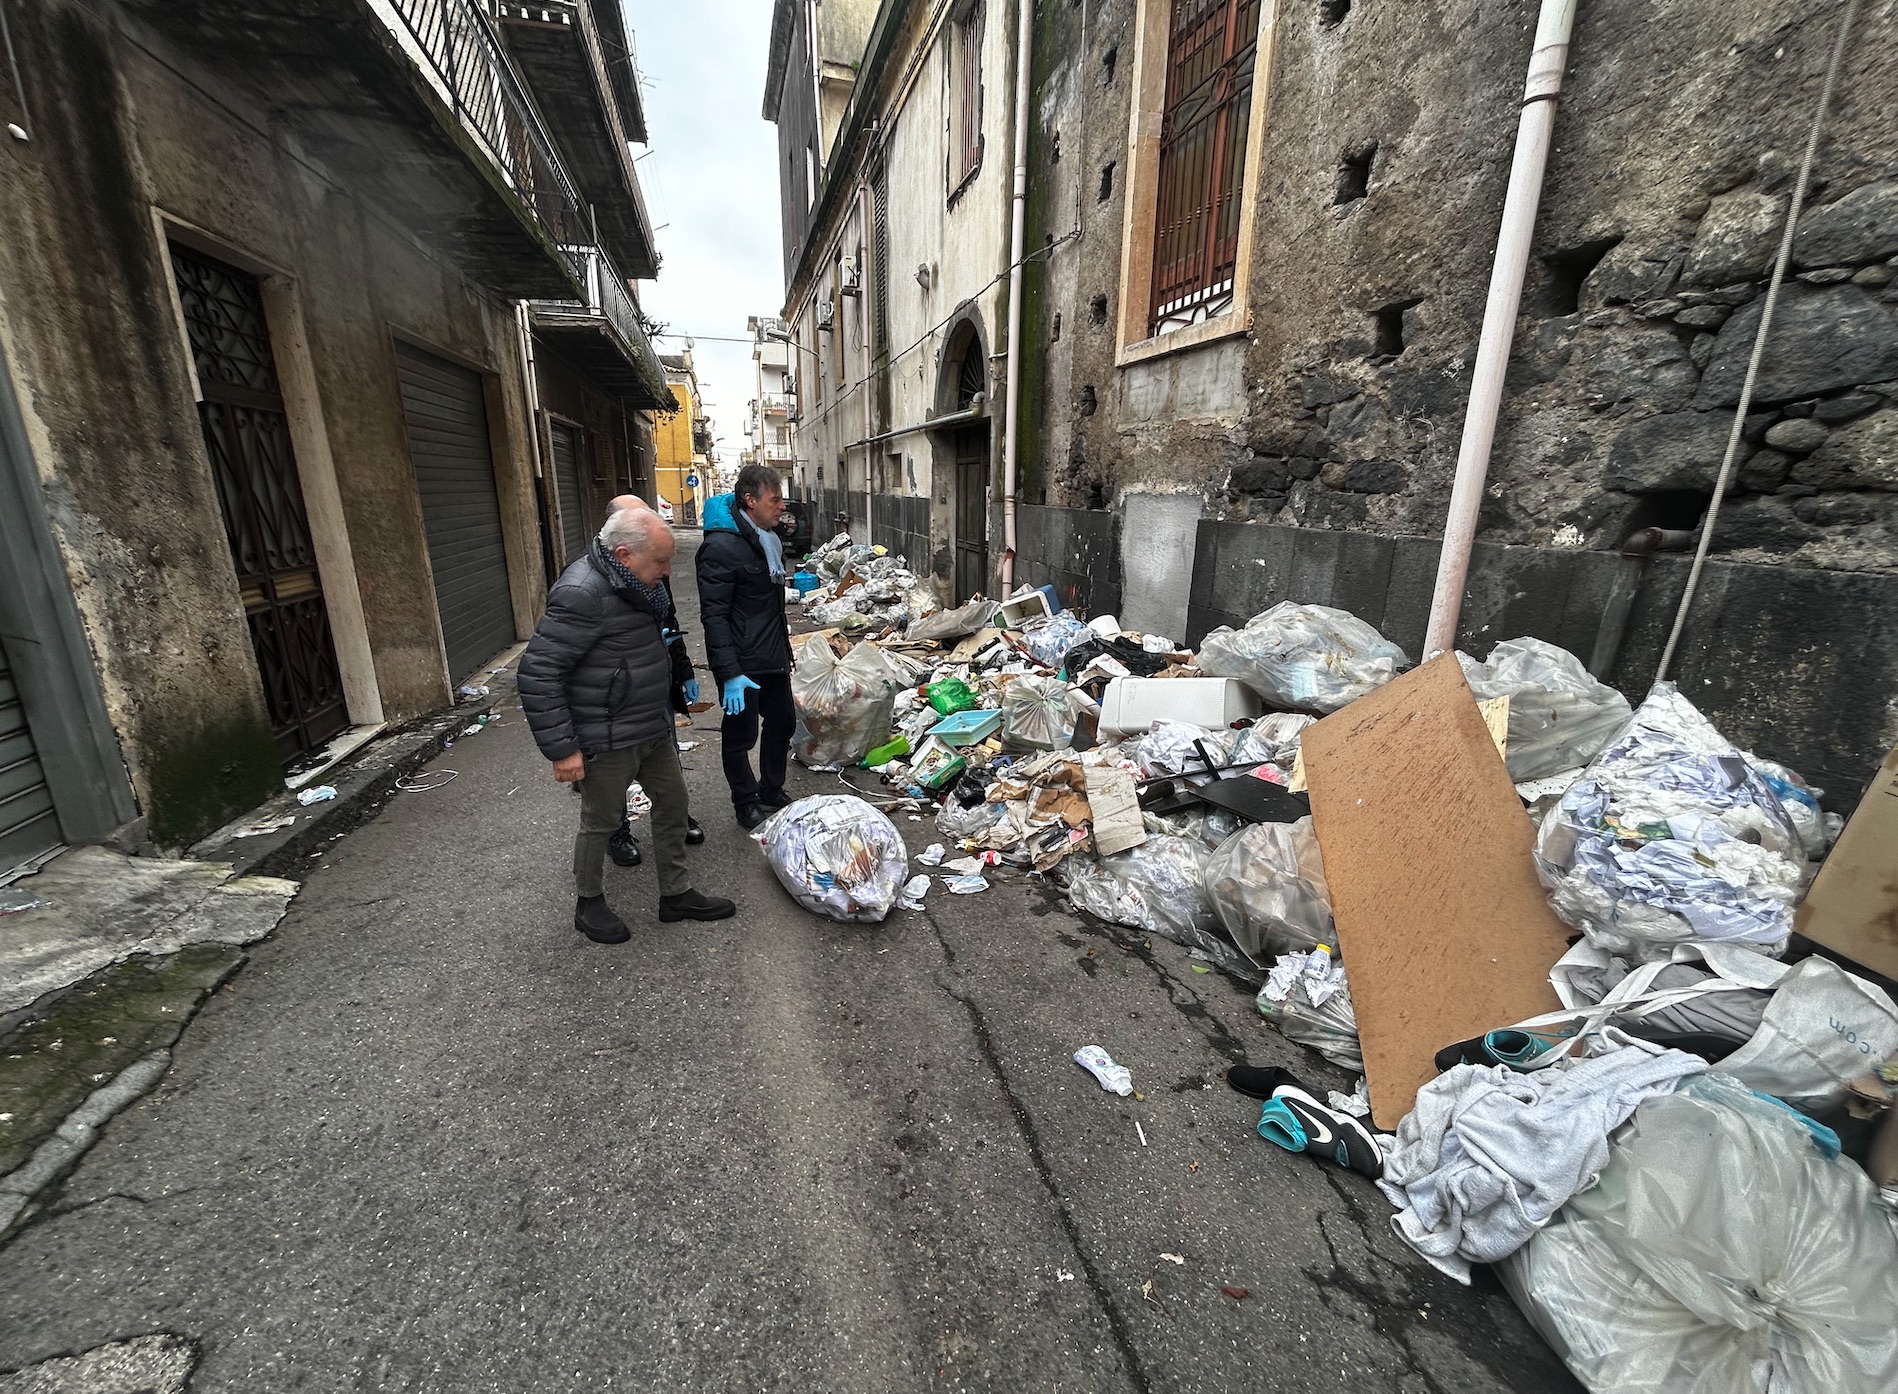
[(775, 404), (456, 46), (607, 296)]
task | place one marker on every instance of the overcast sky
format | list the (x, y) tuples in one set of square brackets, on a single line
[(710, 179)]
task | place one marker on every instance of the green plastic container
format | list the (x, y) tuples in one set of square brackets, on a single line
[(883, 754), (951, 695)]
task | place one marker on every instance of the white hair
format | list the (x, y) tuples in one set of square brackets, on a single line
[(636, 529)]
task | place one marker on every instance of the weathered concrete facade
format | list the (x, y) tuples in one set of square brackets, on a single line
[(140, 141)]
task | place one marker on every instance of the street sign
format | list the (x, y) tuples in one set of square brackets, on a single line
[(691, 481)]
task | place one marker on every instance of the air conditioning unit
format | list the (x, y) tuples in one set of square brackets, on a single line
[(849, 274), (827, 313), (790, 385)]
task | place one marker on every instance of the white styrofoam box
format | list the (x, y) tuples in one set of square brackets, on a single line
[(1014, 613), (1132, 705)]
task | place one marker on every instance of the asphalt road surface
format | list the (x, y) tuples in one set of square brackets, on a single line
[(433, 1139)]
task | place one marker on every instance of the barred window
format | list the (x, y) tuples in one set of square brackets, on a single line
[(965, 96), (1212, 46)]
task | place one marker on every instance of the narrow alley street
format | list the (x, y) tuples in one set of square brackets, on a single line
[(432, 1139)]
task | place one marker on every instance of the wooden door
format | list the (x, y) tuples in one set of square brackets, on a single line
[(972, 513)]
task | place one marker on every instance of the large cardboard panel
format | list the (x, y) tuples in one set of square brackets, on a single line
[(1444, 930), (1852, 907)]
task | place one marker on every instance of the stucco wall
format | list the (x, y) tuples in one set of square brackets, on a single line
[(97, 350)]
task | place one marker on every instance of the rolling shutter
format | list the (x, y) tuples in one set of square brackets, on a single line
[(461, 511), (28, 824), (573, 518)]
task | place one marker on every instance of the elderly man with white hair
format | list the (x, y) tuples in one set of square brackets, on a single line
[(595, 684)]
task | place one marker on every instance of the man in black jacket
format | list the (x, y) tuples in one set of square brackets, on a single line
[(595, 683), (747, 642)]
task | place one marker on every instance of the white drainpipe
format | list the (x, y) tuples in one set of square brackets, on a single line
[(1539, 96), (866, 282), (1024, 53)]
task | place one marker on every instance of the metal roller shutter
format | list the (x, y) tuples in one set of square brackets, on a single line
[(573, 521), (28, 824), (461, 511)]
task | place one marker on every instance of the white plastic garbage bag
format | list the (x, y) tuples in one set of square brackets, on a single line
[(1266, 883), (1304, 657), (1670, 836), (1559, 716), (1273, 739), (1156, 887), (843, 704), (1723, 1252), (1307, 998), (837, 856), (1037, 714)]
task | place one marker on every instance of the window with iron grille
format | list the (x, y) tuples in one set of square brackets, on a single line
[(1212, 46), (965, 96)]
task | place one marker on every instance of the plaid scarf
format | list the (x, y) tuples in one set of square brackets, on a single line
[(657, 599)]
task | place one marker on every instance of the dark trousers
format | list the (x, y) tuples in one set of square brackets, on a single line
[(772, 704), (603, 804)]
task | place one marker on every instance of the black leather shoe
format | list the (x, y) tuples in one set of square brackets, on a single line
[(771, 800), (623, 847), (690, 905), (694, 834), (750, 815), (593, 917)]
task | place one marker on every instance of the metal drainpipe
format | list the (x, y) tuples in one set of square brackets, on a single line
[(1635, 552), (1540, 93), (1024, 54)]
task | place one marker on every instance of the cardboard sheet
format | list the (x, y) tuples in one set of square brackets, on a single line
[(1852, 907), (1444, 931)]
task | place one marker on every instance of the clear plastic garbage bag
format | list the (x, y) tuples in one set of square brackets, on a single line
[(1723, 1252), (1048, 639), (1273, 739), (1671, 836), (1303, 657), (843, 704), (1036, 714), (1266, 883), (1156, 887), (1559, 716), (952, 624), (837, 856), (1168, 749), (1307, 998), (1202, 823), (974, 824)]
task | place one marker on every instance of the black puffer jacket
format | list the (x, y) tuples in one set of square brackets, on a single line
[(597, 676), (741, 607)]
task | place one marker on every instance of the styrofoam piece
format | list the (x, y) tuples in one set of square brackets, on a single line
[(1132, 705), (1019, 610)]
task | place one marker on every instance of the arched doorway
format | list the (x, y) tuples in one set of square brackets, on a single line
[(965, 383)]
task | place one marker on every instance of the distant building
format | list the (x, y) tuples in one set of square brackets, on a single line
[(768, 422), (682, 443)]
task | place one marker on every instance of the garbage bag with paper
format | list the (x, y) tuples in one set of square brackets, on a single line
[(1037, 714), (1307, 998), (1172, 747), (1156, 887), (837, 856), (1559, 716), (1671, 836), (1272, 739), (1049, 638), (1727, 1249), (1266, 883), (843, 704), (1303, 657)]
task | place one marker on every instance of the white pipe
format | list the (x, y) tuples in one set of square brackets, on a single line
[(1539, 95), (1024, 53), (866, 283)]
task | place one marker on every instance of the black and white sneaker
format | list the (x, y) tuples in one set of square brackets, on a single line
[(1293, 1119)]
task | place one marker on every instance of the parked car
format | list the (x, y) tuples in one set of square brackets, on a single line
[(665, 509)]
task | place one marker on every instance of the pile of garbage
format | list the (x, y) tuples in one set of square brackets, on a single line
[(1607, 1150)]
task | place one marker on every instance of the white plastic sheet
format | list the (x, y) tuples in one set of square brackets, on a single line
[(1671, 836), (1303, 657), (1559, 716), (1722, 1253), (843, 704), (837, 856), (1266, 883)]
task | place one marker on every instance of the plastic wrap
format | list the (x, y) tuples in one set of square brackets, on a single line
[(1273, 738), (1036, 714), (1168, 749), (1671, 836), (843, 704), (1559, 716), (952, 624), (1801, 802), (1203, 823), (1307, 998), (1266, 883), (837, 856), (1723, 1252), (1303, 657), (1048, 640), (1156, 887)]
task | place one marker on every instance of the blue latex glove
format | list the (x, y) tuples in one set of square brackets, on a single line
[(691, 689), (734, 694)]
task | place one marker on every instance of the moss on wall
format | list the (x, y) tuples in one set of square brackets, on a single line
[(199, 779)]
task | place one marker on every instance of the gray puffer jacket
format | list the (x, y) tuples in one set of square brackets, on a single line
[(596, 675)]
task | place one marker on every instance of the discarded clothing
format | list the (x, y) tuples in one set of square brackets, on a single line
[(1488, 1154)]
